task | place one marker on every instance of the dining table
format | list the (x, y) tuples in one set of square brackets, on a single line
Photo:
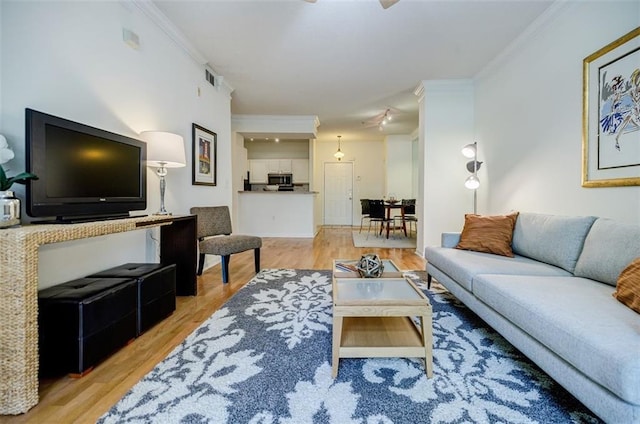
[(389, 205)]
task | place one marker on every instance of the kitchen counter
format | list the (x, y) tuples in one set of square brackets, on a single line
[(277, 213), (277, 192)]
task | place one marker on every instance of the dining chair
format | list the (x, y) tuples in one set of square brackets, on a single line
[(377, 213), (409, 206), (215, 238), (364, 205)]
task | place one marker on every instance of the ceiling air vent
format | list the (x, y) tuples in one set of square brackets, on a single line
[(210, 77)]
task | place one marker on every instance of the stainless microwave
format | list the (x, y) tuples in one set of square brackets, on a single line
[(280, 179)]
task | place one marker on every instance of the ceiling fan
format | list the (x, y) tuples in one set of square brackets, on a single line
[(384, 3)]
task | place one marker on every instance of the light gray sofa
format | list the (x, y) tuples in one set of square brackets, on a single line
[(553, 301)]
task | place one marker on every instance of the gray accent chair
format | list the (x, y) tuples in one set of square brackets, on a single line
[(215, 238)]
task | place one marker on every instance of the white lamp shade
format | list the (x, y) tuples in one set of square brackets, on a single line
[(472, 182), (338, 154), (469, 151), (164, 149)]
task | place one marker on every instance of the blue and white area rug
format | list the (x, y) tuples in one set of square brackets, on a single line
[(265, 357)]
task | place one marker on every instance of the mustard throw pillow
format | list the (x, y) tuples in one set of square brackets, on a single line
[(628, 286), (488, 234)]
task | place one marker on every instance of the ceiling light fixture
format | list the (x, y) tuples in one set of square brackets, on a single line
[(384, 119), (338, 155)]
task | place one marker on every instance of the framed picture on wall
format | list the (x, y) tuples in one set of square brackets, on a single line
[(611, 114), (204, 156)]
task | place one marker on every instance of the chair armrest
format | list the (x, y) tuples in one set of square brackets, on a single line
[(450, 240)]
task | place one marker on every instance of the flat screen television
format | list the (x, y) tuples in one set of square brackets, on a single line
[(85, 173)]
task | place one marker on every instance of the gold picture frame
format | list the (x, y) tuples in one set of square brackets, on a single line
[(611, 114)]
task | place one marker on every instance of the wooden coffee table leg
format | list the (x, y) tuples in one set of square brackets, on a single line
[(335, 348), (427, 339)]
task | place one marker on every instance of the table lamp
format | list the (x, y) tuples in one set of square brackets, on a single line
[(164, 150)]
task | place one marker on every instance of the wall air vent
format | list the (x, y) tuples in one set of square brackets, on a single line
[(210, 77)]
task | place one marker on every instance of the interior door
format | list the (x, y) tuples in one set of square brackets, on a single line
[(338, 193)]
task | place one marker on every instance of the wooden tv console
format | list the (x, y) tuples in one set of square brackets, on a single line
[(19, 289)]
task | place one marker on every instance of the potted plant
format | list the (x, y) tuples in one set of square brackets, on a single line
[(9, 204)]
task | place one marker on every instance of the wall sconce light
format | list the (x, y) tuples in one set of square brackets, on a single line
[(472, 182), (338, 155), (164, 150)]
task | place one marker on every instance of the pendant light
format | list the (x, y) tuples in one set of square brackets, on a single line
[(338, 155)]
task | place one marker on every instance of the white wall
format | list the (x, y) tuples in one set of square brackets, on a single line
[(240, 168), (528, 116), (284, 149), (68, 59), (399, 166), (276, 214), (446, 125), (1, 61), (369, 167)]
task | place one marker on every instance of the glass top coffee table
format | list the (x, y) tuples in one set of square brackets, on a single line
[(372, 317)]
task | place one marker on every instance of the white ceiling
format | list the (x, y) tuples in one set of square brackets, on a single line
[(346, 61)]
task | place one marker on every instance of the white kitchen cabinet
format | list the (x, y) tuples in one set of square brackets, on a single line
[(300, 170), (258, 170), (279, 166)]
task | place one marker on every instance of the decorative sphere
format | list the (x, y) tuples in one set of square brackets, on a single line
[(370, 266)]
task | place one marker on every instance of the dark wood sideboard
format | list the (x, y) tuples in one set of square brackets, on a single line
[(178, 245)]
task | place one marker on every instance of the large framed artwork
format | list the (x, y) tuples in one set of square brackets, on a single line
[(611, 114), (204, 156)]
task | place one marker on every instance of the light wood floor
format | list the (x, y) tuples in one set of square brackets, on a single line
[(84, 400)]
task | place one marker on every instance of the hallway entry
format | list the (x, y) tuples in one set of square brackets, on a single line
[(338, 193)]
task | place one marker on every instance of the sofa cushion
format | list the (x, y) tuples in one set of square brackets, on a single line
[(576, 318), (489, 234), (628, 287), (463, 265), (609, 247), (553, 239)]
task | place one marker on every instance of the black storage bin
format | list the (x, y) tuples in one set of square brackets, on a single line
[(156, 290), (83, 321)]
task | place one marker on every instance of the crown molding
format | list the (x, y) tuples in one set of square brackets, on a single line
[(276, 118), (419, 91), (155, 15), (169, 28), (297, 126)]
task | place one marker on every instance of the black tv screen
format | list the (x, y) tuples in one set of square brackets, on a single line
[(84, 172)]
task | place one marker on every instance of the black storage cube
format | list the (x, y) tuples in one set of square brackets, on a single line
[(156, 290), (83, 321)]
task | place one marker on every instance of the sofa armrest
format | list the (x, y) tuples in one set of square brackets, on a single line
[(450, 239)]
